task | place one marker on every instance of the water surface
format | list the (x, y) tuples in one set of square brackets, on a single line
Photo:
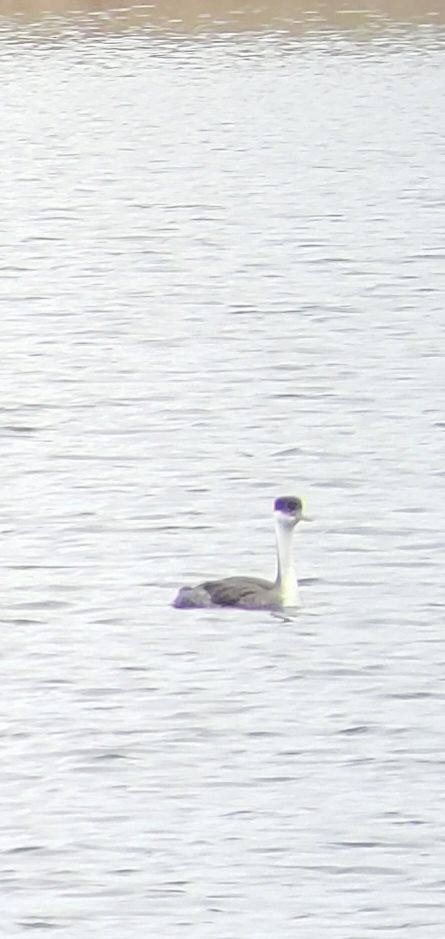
[(222, 278)]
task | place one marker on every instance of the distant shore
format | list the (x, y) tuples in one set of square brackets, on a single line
[(219, 16)]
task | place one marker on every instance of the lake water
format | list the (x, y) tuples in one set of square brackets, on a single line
[(222, 278)]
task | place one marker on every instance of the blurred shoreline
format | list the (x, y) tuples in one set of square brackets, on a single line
[(219, 16)]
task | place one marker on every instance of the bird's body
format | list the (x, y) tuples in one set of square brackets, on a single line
[(254, 593), (249, 593)]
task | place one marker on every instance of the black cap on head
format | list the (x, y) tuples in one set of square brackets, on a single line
[(290, 505)]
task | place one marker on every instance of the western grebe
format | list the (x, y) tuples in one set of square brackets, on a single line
[(251, 593)]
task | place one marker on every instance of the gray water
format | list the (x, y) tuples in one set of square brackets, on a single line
[(222, 278)]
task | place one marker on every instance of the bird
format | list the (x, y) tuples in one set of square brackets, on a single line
[(253, 593)]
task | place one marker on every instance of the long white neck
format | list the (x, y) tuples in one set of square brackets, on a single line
[(286, 580)]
